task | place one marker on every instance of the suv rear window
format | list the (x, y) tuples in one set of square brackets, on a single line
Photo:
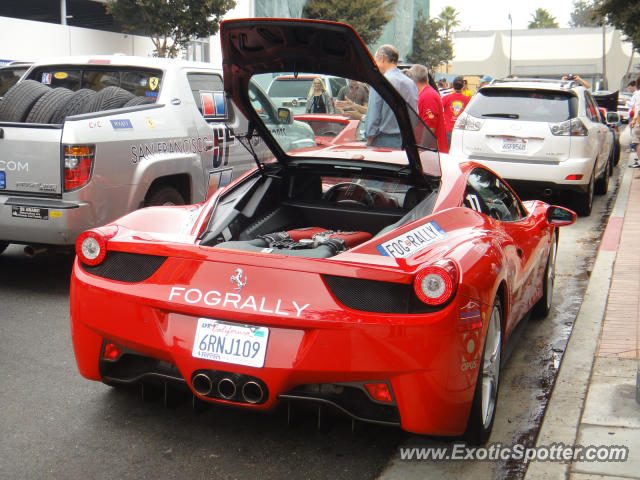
[(527, 105), (290, 87)]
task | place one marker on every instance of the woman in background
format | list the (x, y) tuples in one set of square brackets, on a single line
[(318, 100)]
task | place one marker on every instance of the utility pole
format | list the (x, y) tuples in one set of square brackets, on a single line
[(510, 40), (63, 12), (605, 84)]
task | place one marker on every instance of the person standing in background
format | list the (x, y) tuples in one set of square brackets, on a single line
[(453, 105), (430, 105), (381, 126), (465, 89)]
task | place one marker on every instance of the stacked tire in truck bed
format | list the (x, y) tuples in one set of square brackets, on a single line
[(32, 102)]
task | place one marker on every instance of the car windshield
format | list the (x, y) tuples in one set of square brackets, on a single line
[(524, 105), (350, 103)]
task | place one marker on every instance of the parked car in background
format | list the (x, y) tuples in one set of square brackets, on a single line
[(624, 100), (543, 136), (291, 91), (87, 139)]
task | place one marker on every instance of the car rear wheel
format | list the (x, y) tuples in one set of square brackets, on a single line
[(543, 306), (584, 201), (163, 195), (483, 408)]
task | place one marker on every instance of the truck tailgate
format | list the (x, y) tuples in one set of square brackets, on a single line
[(30, 160)]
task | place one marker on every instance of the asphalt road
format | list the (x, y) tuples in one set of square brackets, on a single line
[(57, 425)]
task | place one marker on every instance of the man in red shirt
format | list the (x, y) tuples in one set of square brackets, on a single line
[(429, 105), (453, 105)]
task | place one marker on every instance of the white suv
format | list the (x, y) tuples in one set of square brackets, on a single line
[(542, 136)]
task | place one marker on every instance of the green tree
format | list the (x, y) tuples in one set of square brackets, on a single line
[(542, 19), (449, 19), (367, 17), (624, 16), (430, 47), (585, 14), (171, 24)]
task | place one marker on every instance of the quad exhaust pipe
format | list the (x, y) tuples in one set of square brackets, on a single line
[(238, 388)]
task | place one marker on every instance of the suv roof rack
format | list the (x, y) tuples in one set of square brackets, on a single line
[(561, 83)]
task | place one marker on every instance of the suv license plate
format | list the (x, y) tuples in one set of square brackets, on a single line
[(511, 144), (230, 342)]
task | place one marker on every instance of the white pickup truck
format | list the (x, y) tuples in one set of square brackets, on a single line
[(84, 140)]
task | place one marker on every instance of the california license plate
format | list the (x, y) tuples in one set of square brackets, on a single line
[(230, 342), (512, 144)]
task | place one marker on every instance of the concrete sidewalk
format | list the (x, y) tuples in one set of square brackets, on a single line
[(593, 400)]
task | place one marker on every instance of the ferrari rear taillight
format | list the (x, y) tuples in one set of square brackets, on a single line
[(78, 163), (91, 246), (437, 283)]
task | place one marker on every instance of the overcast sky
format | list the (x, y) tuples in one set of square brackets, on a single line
[(494, 14)]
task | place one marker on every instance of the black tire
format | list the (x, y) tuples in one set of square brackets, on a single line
[(20, 99), (3, 246), (584, 201), (616, 152), (602, 184), (543, 306), (49, 106), (139, 100), (482, 415), (109, 98), (77, 104), (163, 195)]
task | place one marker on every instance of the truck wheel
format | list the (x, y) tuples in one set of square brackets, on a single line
[(78, 103), (110, 98), (3, 246), (49, 105), (163, 195), (19, 99), (139, 100)]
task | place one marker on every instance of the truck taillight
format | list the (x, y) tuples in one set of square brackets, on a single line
[(78, 163)]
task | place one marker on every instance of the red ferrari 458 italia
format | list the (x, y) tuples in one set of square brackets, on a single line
[(378, 278)]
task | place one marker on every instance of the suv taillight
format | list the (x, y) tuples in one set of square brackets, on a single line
[(468, 122), (78, 163), (573, 127)]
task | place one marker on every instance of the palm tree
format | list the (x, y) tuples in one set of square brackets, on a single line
[(543, 19), (449, 18)]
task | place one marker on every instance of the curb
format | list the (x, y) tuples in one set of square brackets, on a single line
[(564, 412)]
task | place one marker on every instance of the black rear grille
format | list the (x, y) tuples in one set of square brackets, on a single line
[(376, 296), (126, 267)]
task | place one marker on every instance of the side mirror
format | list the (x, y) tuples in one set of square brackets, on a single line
[(284, 116), (560, 216), (613, 118)]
